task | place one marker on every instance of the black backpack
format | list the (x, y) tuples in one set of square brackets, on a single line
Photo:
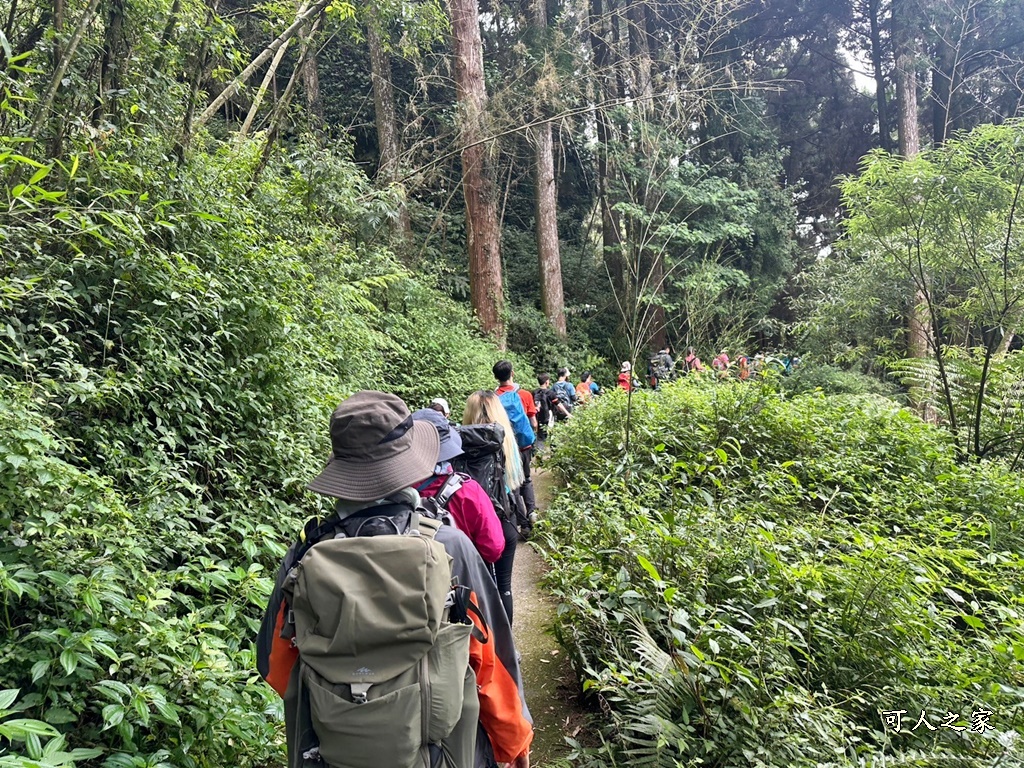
[(542, 397), (483, 459)]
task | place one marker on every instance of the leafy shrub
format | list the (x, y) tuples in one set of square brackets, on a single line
[(761, 578), (171, 347), (810, 377)]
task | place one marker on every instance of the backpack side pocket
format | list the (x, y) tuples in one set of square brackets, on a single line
[(447, 662)]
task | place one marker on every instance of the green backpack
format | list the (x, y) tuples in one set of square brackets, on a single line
[(384, 676)]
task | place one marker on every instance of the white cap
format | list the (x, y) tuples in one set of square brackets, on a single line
[(444, 405), (626, 367)]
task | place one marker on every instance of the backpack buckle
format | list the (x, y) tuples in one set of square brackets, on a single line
[(359, 691)]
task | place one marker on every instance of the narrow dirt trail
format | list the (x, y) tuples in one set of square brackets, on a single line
[(547, 675)]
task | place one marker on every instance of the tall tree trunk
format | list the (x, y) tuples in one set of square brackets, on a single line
[(165, 38), (484, 233), (909, 146), (920, 324), (109, 81), (641, 63), (387, 121), (311, 83), (552, 294), (884, 126), (604, 87), (46, 102), (905, 44), (945, 80), (193, 86)]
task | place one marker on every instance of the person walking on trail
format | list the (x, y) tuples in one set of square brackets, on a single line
[(692, 363), (484, 407), (583, 391), (626, 380), (384, 633), (462, 497), (743, 363), (564, 389), (721, 364), (661, 367), (525, 428), (549, 407)]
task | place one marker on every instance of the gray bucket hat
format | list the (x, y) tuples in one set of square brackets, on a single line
[(376, 449), (451, 442)]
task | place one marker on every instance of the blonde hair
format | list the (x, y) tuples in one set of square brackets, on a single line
[(484, 407)]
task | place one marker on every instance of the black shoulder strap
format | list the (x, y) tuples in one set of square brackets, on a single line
[(449, 488)]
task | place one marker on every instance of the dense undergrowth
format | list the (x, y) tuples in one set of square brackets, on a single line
[(766, 577), (171, 345)]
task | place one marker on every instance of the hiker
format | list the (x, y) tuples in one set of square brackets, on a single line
[(564, 389), (626, 380), (583, 390), (361, 620), (522, 414), (440, 405), (661, 367), (549, 407), (484, 407), (462, 497), (721, 364), (692, 363), (743, 363)]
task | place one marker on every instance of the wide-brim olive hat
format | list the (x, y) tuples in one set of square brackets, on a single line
[(376, 449)]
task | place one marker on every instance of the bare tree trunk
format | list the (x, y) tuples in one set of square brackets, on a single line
[(920, 323), (46, 102), (267, 80), (387, 120), (109, 80), (484, 234), (311, 83), (906, 80), (232, 88), (884, 128), (281, 107), (909, 146), (552, 293), (605, 89), (193, 86), (640, 59)]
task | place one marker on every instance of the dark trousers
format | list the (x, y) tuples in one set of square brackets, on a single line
[(526, 489), (503, 568)]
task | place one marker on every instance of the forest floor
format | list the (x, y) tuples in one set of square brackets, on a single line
[(551, 686)]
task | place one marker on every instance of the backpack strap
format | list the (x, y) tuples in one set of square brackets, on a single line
[(449, 488), (426, 525)]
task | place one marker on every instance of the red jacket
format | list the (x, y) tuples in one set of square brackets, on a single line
[(473, 513)]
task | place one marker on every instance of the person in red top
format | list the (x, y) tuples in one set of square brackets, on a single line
[(503, 373), (469, 506), (626, 381)]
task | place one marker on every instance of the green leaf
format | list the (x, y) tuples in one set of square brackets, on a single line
[(69, 660), (649, 567), (40, 174), (8, 697)]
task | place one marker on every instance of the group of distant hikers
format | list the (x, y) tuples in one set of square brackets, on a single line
[(388, 632), (661, 367)]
